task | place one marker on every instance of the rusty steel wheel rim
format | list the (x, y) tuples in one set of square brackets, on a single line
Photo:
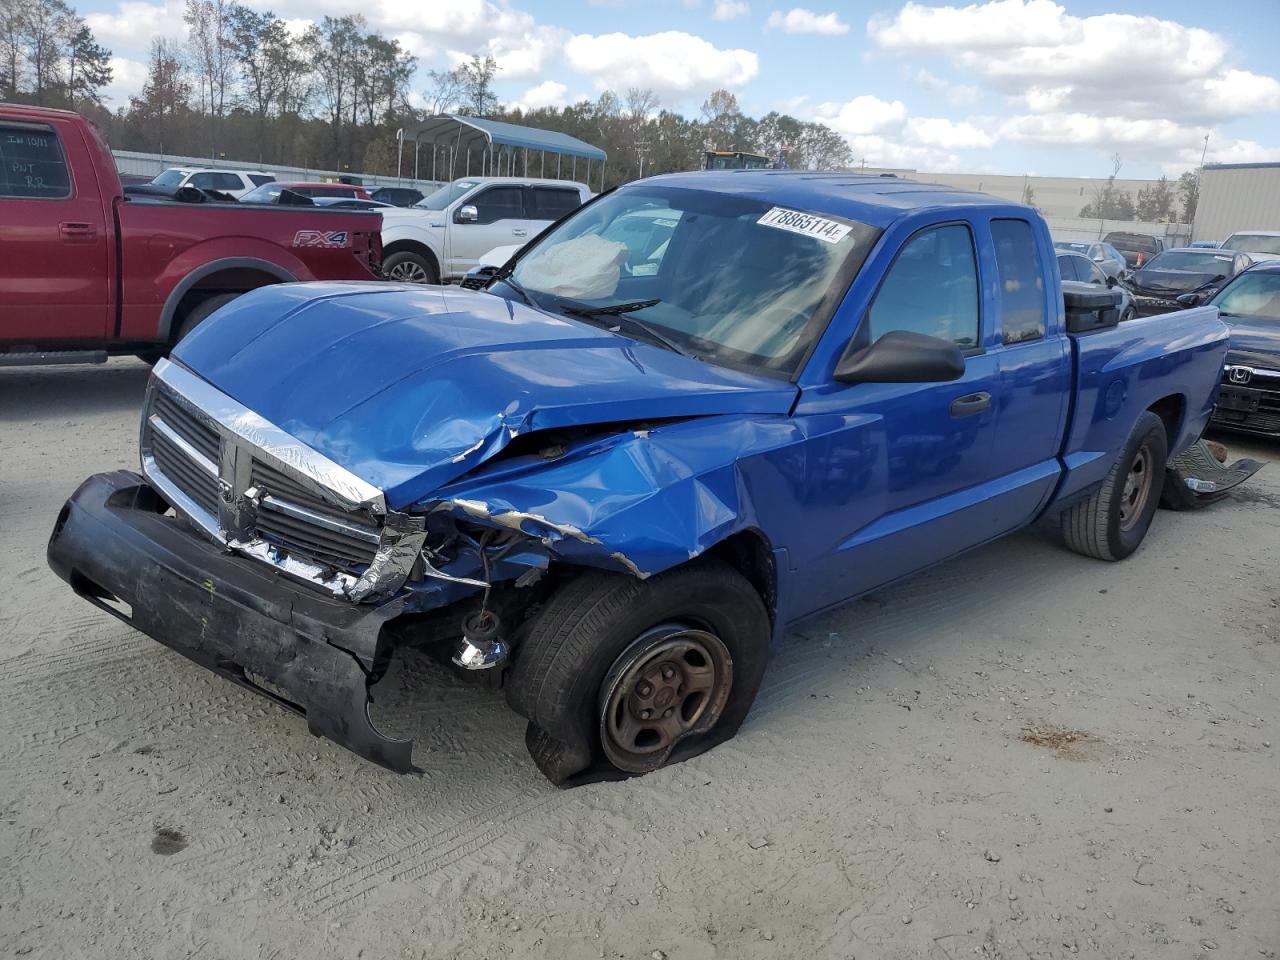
[(672, 682), (1137, 489)]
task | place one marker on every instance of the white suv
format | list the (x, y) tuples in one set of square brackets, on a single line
[(235, 182), (444, 235)]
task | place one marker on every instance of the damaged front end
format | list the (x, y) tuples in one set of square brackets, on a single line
[(265, 561)]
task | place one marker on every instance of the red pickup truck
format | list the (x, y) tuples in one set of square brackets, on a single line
[(88, 270)]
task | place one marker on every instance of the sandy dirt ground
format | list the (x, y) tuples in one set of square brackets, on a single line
[(1021, 754)]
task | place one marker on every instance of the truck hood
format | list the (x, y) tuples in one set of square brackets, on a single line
[(411, 386)]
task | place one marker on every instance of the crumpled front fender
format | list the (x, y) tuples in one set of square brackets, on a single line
[(648, 501)]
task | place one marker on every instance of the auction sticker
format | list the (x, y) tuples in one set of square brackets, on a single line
[(806, 224)]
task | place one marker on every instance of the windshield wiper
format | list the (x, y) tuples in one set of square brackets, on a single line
[(621, 313), (613, 310), (506, 278)]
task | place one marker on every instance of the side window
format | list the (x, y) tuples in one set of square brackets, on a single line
[(32, 164), (499, 203), (552, 203), (932, 288), (258, 179), (227, 181), (202, 180), (1067, 267), (1022, 310), (1095, 272)]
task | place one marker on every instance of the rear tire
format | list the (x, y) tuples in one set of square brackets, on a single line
[(406, 266), (684, 650), (201, 312), (1112, 523)]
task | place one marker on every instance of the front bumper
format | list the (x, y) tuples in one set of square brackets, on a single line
[(320, 655), (1145, 305), (1248, 410)]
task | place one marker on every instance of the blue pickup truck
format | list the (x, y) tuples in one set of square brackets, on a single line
[(699, 409)]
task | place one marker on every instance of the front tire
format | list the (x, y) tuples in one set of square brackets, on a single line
[(619, 676), (1112, 523), (406, 266)]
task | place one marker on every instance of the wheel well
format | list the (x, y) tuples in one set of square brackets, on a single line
[(1169, 410), (412, 246), (748, 552), (233, 280)]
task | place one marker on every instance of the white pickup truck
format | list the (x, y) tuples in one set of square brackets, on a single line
[(444, 235)]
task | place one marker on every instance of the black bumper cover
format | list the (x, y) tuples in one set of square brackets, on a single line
[(227, 613)]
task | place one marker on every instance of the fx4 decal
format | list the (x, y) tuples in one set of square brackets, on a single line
[(320, 238)]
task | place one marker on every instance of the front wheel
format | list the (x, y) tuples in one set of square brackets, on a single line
[(1112, 523), (619, 676), (409, 267)]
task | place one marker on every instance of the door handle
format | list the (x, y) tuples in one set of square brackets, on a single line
[(970, 404), (519, 233), (76, 231)]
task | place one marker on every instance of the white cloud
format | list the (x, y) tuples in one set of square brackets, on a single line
[(800, 20), (549, 93), (127, 78), (1046, 60), (862, 115), (729, 10), (947, 134), (671, 63), (956, 94), (131, 28)]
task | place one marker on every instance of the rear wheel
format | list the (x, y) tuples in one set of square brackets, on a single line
[(201, 312), (1112, 523), (406, 266), (620, 676)]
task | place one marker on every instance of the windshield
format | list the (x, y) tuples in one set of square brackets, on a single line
[(170, 178), (445, 195), (266, 193), (1185, 260), (729, 279), (1252, 295), (1252, 243)]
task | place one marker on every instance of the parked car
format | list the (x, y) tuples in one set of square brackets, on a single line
[(234, 183), (88, 270), (347, 203), (397, 196), (616, 491), (1206, 244), (1259, 244), (1136, 248), (1158, 286), (1109, 260), (1073, 267), (1249, 399), (271, 192), (444, 235)]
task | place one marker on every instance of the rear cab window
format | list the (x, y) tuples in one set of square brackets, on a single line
[(552, 203), (32, 162), (1022, 294)]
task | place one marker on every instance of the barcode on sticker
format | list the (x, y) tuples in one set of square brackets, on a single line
[(806, 224)]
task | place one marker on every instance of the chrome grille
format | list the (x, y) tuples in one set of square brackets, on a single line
[(189, 451)]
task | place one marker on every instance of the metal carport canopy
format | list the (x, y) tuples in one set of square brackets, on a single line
[(462, 137)]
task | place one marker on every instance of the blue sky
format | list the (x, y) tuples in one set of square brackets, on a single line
[(1053, 87)]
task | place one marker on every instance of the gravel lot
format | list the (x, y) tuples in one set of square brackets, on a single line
[(1021, 754)]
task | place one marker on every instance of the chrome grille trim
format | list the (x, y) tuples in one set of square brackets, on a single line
[(264, 494)]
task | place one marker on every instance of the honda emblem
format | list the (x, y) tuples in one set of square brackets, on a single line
[(1239, 374)]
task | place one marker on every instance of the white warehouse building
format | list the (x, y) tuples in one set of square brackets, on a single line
[(1237, 196)]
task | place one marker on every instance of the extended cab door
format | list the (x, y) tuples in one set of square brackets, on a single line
[(899, 471), (54, 276), (500, 221)]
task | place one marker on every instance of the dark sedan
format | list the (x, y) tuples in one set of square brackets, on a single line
[(1249, 399), (1157, 287)]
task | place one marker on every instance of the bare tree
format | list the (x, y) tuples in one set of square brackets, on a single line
[(444, 95), (210, 42)]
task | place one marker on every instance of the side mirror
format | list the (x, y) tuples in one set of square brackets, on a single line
[(1111, 281), (902, 357), (1189, 299), (466, 214)]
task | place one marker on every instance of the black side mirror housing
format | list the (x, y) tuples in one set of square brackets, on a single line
[(1189, 299), (477, 278), (1111, 281), (901, 356)]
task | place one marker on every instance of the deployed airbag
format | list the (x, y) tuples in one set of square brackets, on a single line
[(584, 268)]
